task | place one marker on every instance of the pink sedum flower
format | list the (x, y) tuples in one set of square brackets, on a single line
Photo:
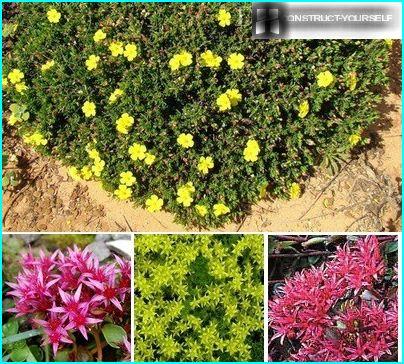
[(69, 293)]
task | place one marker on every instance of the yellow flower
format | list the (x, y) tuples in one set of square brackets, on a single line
[(223, 17), (15, 76), (389, 42), (236, 61), (21, 87), (352, 81), (86, 172), (294, 191), (36, 139), (185, 140), (12, 120), (183, 59), (88, 109), (150, 158), (124, 123), (130, 51), (224, 103), (127, 178), (251, 151), (74, 173), (93, 154), (210, 60), (114, 96), (4, 82), (98, 167), (174, 62), (234, 96), (92, 62), (99, 36), (304, 108), (201, 210), (53, 15), (325, 79), (154, 203), (354, 139), (123, 192), (184, 194), (220, 209), (137, 151), (205, 163), (47, 65), (116, 48)]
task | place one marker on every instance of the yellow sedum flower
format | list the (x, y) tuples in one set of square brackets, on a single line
[(236, 61), (294, 191), (220, 209), (325, 79), (15, 76), (182, 59), (201, 210), (35, 139), (205, 163), (98, 167), (137, 151), (223, 101), (93, 153), (99, 36), (53, 15), (116, 48), (4, 82), (48, 65), (304, 108), (354, 139), (185, 140), (86, 173), (115, 95), (352, 81), (154, 203), (149, 159), (223, 17), (184, 194), (209, 59), (234, 96), (130, 51), (389, 43), (92, 62), (124, 123), (21, 87), (88, 109), (74, 173), (127, 178), (251, 151), (12, 120), (123, 192)]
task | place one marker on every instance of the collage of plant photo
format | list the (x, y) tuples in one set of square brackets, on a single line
[(175, 189)]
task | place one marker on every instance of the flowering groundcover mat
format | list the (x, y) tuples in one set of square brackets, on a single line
[(175, 107), (333, 298)]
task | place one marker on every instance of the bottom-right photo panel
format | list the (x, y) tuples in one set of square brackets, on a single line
[(333, 298)]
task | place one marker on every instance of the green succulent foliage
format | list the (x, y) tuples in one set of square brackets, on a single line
[(277, 77), (198, 298)]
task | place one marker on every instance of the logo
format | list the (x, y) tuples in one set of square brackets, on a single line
[(267, 21)]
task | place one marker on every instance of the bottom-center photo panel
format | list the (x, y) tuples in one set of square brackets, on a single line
[(199, 297)]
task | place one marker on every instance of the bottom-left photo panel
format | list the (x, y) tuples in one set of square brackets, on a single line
[(66, 297)]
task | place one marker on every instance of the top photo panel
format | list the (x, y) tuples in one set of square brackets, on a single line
[(172, 117)]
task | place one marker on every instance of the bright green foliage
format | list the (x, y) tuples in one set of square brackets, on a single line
[(294, 122), (199, 298)]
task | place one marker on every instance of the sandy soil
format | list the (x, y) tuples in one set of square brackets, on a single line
[(364, 196)]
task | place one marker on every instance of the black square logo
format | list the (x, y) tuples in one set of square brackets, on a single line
[(268, 20)]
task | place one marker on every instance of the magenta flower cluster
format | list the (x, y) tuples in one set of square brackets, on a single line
[(340, 311), (69, 293)]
